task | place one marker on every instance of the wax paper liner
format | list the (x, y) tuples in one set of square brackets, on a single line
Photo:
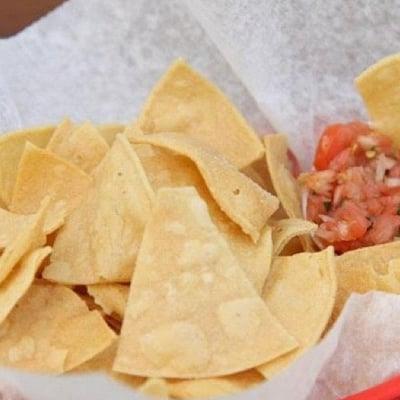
[(288, 66)]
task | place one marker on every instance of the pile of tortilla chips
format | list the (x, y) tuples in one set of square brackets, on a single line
[(171, 254)]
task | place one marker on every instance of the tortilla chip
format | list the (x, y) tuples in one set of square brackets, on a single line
[(184, 102), (285, 185), (243, 201), (110, 131), (258, 172), (212, 387), (364, 270), (19, 280), (191, 310), (82, 145), (11, 148), (287, 229), (155, 387), (380, 89), (102, 362), (300, 292), (111, 297), (167, 169), (100, 239), (41, 335), (12, 224), (29, 238), (42, 173)]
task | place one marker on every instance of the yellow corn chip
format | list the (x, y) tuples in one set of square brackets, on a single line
[(285, 230), (111, 297), (380, 89), (191, 311), (366, 269), (11, 148), (258, 172), (100, 239), (167, 169), (211, 387), (184, 102), (242, 200), (19, 280), (83, 145), (41, 174), (28, 239), (300, 286), (155, 387), (12, 224), (284, 183), (110, 131), (41, 334)]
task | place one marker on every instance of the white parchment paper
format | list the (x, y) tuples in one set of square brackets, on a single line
[(287, 65)]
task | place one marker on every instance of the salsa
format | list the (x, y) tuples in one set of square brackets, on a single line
[(353, 193)]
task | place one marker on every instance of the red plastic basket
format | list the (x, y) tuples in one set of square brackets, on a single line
[(388, 390)]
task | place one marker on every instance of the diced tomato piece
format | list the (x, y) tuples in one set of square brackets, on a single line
[(394, 172), (383, 229), (316, 205), (335, 139)]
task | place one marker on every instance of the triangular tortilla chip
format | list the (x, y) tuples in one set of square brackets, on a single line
[(285, 185), (284, 230), (184, 102), (81, 145), (242, 200), (110, 131), (12, 224), (11, 148), (191, 311), (28, 239), (212, 387), (379, 87), (19, 280), (155, 388), (111, 297), (100, 239), (367, 269), (300, 292), (42, 173), (52, 331), (167, 169)]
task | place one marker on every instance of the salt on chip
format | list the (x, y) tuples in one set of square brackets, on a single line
[(284, 230), (380, 89), (100, 239), (300, 292), (11, 148), (245, 203), (191, 312), (367, 269), (30, 237), (211, 387), (155, 388), (42, 173), (20, 279), (167, 169), (111, 297), (52, 331), (184, 102), (285, 185), (81, 145)]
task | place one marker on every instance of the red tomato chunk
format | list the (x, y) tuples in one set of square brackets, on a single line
[(354, 191)]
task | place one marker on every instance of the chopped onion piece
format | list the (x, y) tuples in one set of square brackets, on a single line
[(392, 182), (304, 202), (367, 142)]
